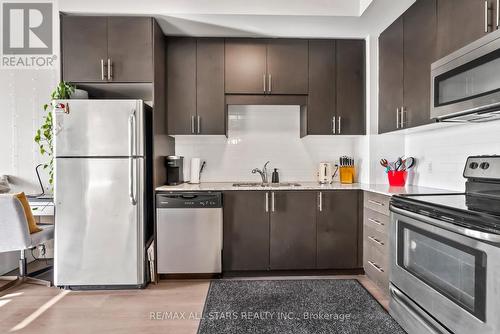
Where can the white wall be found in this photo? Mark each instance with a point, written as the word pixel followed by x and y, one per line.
pixel 258 134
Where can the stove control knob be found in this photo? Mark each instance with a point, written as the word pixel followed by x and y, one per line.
pixel 484 165
pixel 473 165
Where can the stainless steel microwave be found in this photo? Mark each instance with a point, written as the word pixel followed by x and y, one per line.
pixel 465 85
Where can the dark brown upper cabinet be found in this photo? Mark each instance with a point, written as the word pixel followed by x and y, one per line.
pixel 260 66
pixel 321 101
pixel 107 49
pixel 84 48
pixel 181 85
pixel 336 100
pixel 195 86
pixel 246 231
pixel 287 61
pixel 350 105
pixel 293 230
pixel 338 229
pixel 461 22
pixel 210 86
pixel 406 50
pixel 130 49
pixel 390 77
pixel 246 66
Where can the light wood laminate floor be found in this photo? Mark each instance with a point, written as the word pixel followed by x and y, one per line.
pixel 28 308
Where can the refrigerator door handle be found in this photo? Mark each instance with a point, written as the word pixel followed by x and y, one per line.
pixel 132 151
pixel 132 135
pixel 131 181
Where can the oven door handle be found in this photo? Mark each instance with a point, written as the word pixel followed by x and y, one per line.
pixel 424 320
pixel 483 236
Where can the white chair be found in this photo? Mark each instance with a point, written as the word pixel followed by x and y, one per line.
pixel 15 236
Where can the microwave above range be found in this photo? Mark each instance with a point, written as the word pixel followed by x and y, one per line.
pixel 465 85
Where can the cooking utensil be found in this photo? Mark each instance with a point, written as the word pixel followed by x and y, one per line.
pixel 398 164
pixel 409 163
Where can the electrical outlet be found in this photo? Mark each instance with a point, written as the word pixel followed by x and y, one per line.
pixel 429 166
pixel 41 250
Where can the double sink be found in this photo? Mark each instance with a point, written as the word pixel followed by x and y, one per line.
pixel 260 184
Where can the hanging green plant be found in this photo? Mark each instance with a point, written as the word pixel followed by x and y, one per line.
pixel 43 136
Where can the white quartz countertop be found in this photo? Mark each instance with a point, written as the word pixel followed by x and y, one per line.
pixel 376 188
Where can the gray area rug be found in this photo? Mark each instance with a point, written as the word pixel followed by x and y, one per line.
pixel 293 306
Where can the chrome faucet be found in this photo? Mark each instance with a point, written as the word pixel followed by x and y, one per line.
pixel 262 172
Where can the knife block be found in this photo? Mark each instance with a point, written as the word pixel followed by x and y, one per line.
pixel 347 174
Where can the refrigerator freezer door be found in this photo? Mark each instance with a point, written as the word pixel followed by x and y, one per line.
pixel 99 237
pixel 97 128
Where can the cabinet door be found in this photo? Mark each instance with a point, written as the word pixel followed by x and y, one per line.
pixel 338 222
pixel 390 76
pixel 246 231
pixel 460 22
pixel 210 86
pixel 322 87
pixel 419 53
pixel 245 66
pixel 293 230
pixel 287 66
pixel 181 85
pixel 130 48
pixel 351 87
pixel 84 46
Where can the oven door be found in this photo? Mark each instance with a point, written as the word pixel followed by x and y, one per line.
pixel 454 278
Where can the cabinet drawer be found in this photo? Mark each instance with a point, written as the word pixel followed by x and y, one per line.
pixel 377 202
pixel 376 220
pixel 376 239
pixel 381 279
pixel 376 254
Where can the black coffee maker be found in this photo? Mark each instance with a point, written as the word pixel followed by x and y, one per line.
pixel 175 169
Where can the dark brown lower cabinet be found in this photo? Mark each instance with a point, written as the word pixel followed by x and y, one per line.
pixel 246 231
pixel 293 230
pixel 338 225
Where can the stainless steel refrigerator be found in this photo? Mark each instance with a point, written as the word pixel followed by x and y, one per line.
pixel 102 193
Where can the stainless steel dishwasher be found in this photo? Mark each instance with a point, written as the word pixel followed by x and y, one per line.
pixel 189 232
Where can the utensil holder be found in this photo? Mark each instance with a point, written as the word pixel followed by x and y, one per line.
pixel 347 174
pixel 397 178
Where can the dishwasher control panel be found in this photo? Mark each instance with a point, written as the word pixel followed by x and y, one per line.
pixel 179 200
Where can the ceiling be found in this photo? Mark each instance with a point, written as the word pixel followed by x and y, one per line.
pixel 257 18
pixel 233 7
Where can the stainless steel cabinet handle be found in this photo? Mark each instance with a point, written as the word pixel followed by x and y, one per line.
pixel 102 70
pixel 376 266
pixel 132 136
pixel 320 201
pixel 192 124
pixel 110 69
pixel 498 13
pixel 333 124
pixel 267 202
pixel 376 222
pixel 198 124
pixel 264 82
pixel 270 84
pixel 486 16
pixel 397 118
pixel 375 202
pixel 403 112
pixel 273 207
pixel 375 240
pixel 340 125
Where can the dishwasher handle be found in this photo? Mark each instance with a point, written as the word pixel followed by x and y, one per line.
pixel 189 200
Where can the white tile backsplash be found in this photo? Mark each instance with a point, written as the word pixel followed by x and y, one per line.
pixel 257 134
pixel 441 153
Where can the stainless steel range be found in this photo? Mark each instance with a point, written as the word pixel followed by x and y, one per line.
pixel 445 256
